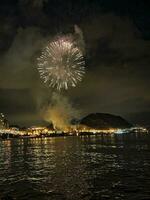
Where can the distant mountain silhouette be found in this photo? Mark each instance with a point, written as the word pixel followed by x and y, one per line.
pixel 104 120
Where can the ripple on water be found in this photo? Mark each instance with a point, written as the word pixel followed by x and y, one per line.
pixel 75 168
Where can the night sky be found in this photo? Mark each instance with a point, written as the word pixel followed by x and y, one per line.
pixel 117 38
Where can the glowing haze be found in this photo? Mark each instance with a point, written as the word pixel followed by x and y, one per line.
pixel 60 112
pixel 61 64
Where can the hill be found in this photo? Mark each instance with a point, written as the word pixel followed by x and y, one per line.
pixel 104 121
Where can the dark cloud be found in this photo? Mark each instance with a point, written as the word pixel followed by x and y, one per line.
pixel 19 63
pixel 118 71
pixel 117 56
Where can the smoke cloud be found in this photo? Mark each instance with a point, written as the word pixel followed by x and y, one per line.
pixel 60 112
pixel 79 38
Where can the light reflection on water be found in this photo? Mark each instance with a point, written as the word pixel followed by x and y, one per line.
pixel 88 168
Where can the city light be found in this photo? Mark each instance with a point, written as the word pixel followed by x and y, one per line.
pixel 72 130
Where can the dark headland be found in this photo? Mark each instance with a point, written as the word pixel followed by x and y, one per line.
pixel 104 121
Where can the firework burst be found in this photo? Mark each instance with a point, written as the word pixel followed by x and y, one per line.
pixel 61 64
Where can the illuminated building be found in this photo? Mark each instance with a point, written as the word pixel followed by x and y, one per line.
pixel 3 121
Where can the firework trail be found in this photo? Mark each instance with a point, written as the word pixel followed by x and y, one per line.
pixel 61 64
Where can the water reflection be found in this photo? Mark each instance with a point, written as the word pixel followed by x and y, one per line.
pixel 95 167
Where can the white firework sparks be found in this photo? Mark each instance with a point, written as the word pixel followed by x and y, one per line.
pixel 61 64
